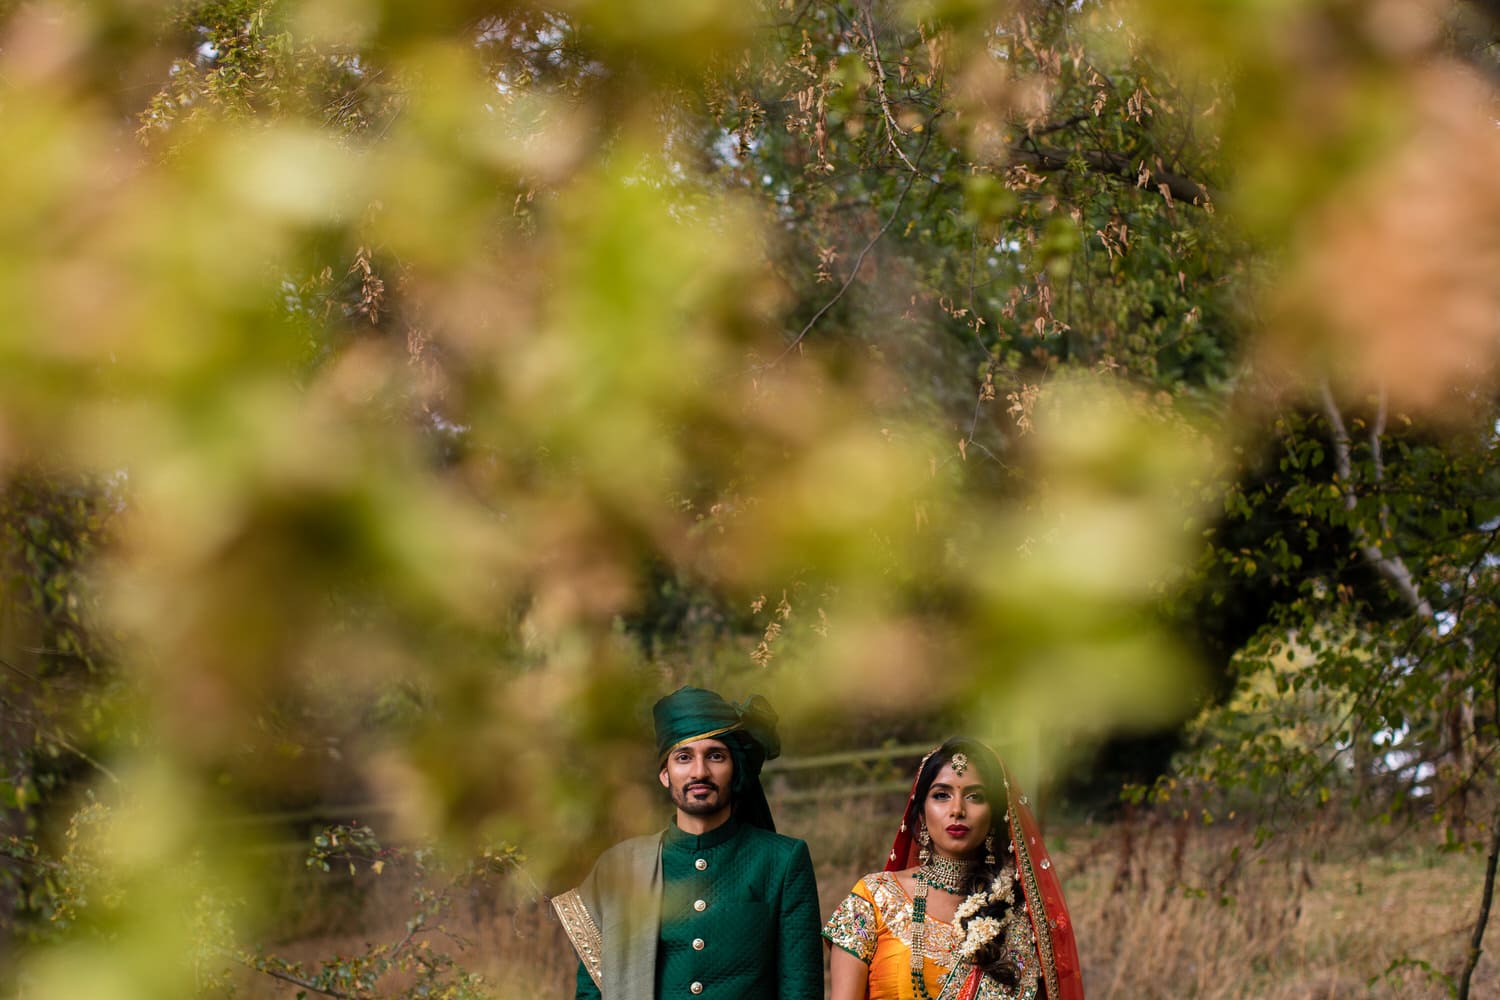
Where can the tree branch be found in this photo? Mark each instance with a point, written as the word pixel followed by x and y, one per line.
pixel 1476 941
pixel 1110 164
pixel 1377 430
pixel 1061 126
pixel 61 740
pixel 853 271
pixel 1458 715
pixel 19 672
pixel 891 128
pixel 299 981
pixel 1393 568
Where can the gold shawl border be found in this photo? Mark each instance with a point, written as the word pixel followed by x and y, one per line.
pixel 1034 904
pixel 582 931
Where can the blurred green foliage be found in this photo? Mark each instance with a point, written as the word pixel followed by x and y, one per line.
pixel 398 397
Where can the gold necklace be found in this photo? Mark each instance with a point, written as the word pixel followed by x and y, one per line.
pixel 949 874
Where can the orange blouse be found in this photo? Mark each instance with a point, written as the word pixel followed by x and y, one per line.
pixel 874 924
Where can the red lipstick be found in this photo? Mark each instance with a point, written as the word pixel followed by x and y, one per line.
pixel 958 832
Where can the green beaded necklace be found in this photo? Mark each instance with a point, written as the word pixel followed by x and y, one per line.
pixel 937 872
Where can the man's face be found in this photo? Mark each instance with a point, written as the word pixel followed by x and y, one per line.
pixel 699 776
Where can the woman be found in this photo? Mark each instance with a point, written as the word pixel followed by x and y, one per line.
pixel 968 906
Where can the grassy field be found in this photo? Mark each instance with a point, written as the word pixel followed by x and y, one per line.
pixel 1175 911
pixel 1331 909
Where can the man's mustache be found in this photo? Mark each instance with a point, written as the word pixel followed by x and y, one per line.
pixel 706 785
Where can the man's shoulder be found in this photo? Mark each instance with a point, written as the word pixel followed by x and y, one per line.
pixel 778 844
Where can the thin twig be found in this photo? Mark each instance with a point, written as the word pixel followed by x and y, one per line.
pixel 91 762
pixel 1477 940
pixel 1048 129
pixel 1393 568
pixel 411 930
pixel 891 128
pixel 853 271
pixel 1110 163
pixel 1377 430
pixel 306 984
pixel 45 651
pixel 60 741
pixel 17 670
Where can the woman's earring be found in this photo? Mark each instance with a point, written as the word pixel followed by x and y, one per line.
pixel 989 848
pixel 925 840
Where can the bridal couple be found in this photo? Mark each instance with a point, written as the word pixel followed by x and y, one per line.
pixel 718 906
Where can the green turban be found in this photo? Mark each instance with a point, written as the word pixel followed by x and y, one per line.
pixel 690 714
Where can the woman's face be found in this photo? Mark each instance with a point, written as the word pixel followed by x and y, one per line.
pixel 957 811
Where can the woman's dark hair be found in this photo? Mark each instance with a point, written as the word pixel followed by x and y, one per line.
pixel 983 759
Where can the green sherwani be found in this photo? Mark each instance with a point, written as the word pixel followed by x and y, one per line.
pixel 736 918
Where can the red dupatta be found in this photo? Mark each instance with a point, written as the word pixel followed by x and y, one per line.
pixel 1057 951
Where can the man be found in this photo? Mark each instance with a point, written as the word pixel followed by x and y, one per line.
pixel 718 905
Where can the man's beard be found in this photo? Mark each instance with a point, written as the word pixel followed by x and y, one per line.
pixel 706 806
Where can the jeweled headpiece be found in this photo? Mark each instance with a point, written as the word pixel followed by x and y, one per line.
pixel 960 763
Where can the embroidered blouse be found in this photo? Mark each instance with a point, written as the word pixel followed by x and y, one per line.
pixel 874 924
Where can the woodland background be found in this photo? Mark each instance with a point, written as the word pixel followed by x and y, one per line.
pixel 396 398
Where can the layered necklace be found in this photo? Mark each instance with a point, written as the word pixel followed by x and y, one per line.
pixel 937 872
pixel 948 874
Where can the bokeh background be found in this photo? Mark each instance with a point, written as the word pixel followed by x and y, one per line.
pixel 396 398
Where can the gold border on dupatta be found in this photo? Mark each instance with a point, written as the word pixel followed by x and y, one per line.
pixel 1041 924
pixel 582 931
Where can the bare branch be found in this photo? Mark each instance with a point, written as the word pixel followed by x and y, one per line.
pixel 1476 941
pixel 1061 126
pixel 1393 568
pixel 18 671
pixel 1458 715
pixel 61 740
pixel 854 270
pixel 1112 164
pixel 891 128
pixel 1377 431
pixel 299 981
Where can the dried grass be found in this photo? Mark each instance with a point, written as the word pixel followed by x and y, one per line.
pixel 1162 908
pixel 1173 909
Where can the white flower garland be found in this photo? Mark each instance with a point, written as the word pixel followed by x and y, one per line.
pixel 981 931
